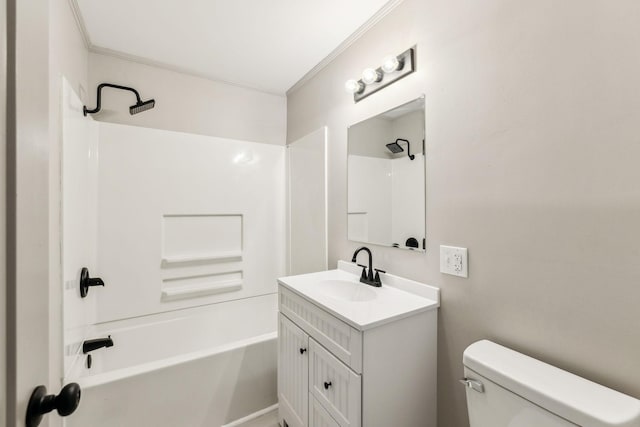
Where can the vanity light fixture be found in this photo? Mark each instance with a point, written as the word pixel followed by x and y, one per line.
pixel 393 68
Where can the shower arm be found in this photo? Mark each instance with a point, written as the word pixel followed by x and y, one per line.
pixel 408 147
pixel 86 111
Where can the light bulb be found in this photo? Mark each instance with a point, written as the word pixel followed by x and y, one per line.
pixel 390 64
pixel 369 75
pixel 353 86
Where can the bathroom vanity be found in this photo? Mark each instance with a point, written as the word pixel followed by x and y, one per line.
pixel 352 355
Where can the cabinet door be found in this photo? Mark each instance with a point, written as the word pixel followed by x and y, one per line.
pixel 336 387
pixel 293 374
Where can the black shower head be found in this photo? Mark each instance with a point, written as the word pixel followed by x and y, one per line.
pixel 395 148
pixel 134 109
pixel 142 106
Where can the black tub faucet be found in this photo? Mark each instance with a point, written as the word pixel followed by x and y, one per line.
pixel 90 345
pixel 368 277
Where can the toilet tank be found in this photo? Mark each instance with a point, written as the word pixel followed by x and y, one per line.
pixel 508 389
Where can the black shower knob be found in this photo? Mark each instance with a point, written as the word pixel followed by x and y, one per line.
pixel 86 282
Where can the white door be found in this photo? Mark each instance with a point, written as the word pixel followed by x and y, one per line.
pixel 34 356
pixel 293 374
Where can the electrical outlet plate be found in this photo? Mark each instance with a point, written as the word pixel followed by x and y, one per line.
pixel 454 261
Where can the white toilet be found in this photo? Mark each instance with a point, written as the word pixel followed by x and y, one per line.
pixel 508 389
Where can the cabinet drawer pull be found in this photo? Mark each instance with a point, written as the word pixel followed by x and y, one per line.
pixel 303 350
pixel 327 385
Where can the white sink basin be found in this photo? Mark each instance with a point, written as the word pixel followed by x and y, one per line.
pixel 362 306
pixel 346 290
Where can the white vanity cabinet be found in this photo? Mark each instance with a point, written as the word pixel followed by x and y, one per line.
pixel 336 370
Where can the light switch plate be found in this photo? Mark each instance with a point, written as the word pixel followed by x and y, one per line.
pixel 454 261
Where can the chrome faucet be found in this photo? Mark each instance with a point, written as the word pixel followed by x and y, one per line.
pixel 368 278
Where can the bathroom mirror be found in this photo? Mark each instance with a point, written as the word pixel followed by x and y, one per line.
pixel 386 178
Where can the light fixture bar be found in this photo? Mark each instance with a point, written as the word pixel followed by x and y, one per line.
pixel 406 58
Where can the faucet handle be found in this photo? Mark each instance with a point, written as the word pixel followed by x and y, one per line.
pixel 364 275
pixel 86 282
pixel 364 271
pixel 378 271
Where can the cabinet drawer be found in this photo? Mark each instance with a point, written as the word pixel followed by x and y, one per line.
pixel 341 339
pixel 335 386
pixel 318 416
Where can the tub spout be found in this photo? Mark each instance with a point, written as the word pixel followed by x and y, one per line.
pixel 90 345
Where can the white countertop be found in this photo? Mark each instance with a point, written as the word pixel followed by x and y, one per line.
pixel 397 298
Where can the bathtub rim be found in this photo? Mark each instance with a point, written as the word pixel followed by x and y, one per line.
pixel 91 381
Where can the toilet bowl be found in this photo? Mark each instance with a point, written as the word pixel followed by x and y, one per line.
pixel 508 389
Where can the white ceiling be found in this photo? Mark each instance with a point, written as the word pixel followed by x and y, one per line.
pixel 263 44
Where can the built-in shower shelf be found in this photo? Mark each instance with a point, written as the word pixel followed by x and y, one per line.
pixel 199 290
pixel 203 258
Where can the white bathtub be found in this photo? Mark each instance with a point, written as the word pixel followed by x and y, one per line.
pixel 207 366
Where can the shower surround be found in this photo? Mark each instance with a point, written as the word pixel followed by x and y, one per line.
pixel 187 233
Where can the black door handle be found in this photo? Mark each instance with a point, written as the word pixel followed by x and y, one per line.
pixel 86 282
pixel 327 385
pixel 40 403
pixel 303 350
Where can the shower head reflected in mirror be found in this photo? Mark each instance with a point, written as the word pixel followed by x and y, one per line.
pixel 396 148
pixel 139 106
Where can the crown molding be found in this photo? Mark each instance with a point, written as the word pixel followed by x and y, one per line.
pixel 175 68
pixel 357 34
pixel 77 16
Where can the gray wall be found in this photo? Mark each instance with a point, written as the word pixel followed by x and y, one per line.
pixel 187 103
pixel 532 112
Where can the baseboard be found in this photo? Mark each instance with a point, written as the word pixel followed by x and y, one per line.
pixel 250 417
